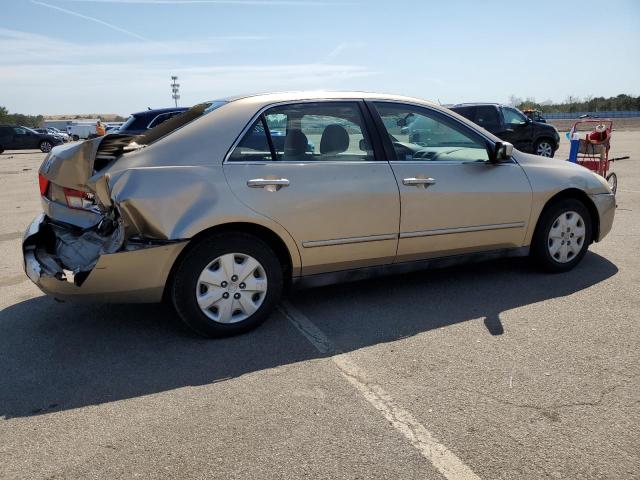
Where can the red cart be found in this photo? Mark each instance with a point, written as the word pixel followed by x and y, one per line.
pixel 595 142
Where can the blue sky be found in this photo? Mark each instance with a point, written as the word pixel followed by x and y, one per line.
pixel 117 56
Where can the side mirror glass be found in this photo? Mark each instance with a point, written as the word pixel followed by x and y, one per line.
pixel 502 151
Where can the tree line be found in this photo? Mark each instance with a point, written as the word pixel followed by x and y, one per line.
pixel 33 121
pixel 619 103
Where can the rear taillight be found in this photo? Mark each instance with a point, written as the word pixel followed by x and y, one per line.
pixel 78 199
pixel 44 185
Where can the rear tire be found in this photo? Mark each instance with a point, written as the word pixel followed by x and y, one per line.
pixel 227 284
pixel 75 138
pixel 562 236
pixel 45 146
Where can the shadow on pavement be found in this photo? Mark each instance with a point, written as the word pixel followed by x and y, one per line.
pixel 58 356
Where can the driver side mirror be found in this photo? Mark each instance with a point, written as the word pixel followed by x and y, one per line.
pixel 502 151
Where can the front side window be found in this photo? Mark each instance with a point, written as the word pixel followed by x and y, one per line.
pixel 19 131
pixel 419 134
pixel 307 132
pixel 513 117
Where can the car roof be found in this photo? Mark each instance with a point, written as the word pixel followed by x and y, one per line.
pixel 476 104
pixel 274 97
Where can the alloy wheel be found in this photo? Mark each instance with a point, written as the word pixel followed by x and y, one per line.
pixel 544 149
pixel 231 288
pixel 45 147
pixel 566 237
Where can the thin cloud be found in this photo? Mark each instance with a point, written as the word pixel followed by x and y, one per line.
pixel 24 48
pixel 286 3
pixel 91 19
pixel 341 48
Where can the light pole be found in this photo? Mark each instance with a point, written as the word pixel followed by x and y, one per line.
pixel 175 87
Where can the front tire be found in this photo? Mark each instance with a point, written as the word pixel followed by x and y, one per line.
pixel 562 236
pixel 46 146
pixel 227 284
pixel 544 148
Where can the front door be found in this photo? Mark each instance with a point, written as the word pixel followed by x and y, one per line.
pixel 454 200
pixel 518 129
pixel 21 138
pixel 311 168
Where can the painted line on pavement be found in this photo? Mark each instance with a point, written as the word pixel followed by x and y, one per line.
pixel 443 459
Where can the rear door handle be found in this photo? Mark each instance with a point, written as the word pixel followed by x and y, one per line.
pixel 270 184
pixel 418 182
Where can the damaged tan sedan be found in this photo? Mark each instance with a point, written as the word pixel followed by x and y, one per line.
pixel 221 209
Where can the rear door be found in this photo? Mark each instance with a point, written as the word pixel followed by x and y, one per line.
pixel 6 137
pixel 488 117
pixel 453 199
pixel 323 183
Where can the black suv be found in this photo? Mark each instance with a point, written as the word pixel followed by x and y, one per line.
pixel 513 126
pixel 140 122
pixel 16 137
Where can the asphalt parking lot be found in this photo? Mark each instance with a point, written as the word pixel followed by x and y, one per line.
pixel 491 371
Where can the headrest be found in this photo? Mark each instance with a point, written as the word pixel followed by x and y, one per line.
pixel 335 139
pixel 295 143
pixel 601 128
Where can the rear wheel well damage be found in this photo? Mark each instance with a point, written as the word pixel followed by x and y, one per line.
pixel 576 194
pixel 272 239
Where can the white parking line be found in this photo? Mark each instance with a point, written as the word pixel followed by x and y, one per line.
pixel 445 461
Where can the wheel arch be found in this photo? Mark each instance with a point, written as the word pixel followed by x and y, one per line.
pixel 577 194
pixel 545 136
pixel 267 235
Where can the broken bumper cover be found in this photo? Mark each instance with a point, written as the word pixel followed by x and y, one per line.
pixel 137 275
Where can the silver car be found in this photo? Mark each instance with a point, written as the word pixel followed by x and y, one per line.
pixel 207 212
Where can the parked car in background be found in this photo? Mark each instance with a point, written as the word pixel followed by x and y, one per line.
pixel 140 122
pixel 197 212
pixel 80 131
pixel 535 115
pixel 17 137
pixel 55 132
pixel 513 126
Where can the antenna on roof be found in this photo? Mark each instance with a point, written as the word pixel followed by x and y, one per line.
pixel 439 102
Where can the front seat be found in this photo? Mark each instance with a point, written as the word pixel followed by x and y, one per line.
pixel 335 140
pixel 295 145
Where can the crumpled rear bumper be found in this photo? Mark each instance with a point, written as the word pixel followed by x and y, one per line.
pixel 137 275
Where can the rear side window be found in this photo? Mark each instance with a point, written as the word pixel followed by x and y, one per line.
pixel 254 146
pixel 307 132
pixel 466 112
pixel 487 117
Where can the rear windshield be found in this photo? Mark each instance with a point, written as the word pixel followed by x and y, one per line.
pixel 177 122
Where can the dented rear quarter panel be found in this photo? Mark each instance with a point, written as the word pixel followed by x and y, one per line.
pixel 175 188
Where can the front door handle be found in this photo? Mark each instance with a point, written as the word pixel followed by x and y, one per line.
pixel 418 182
pixel 270 184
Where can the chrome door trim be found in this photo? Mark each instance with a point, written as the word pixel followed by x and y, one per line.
pixel 447 231
pixel 345 241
